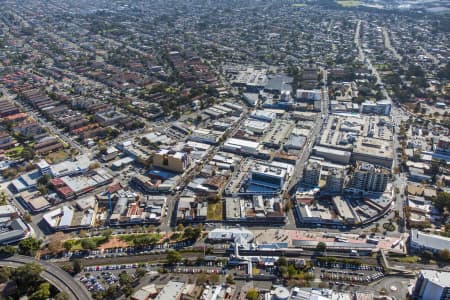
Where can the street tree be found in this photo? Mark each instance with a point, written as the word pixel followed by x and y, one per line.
pixel 252 294
pixel 29 246
pixel 321 246
pixel 173 257
pixel 42 293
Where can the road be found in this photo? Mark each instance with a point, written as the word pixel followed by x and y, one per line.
pixel 53 274
pixel 365 59
pixel 388 45
pixel 429 55
pixel 399 181
pixel 306 151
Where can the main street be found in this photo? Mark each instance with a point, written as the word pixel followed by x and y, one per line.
pixel 397 115
pixel 388 45
pixel 307 149
pixel 195 169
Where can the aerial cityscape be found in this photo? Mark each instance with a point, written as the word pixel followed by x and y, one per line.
pixel 227 149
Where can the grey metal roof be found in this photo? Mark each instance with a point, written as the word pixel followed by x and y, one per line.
pixel 439 278
pixel 429 241
pixel 10 236
pixel 333 245
pixel 280 83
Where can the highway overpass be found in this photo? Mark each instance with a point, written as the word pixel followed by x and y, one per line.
pixel 53 274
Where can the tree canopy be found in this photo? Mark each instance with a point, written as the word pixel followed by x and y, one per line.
pixel 173 257
pixel 29 246
pixel 252 294
pixel 442 201
pixel 321 246
pixel 28 277
pixel 42 293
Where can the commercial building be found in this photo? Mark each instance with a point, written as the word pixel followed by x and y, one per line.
pixel 370 178
pixel 67 218
pixel 26 181
pixel 43 166
pixel 443 145
pixel 211 137
pixel 279 293
pixel 234 106
pixel 267 176
pixel 256 210
pixel 122 162
pixel 375 151
pixel 140 153
pixel 304 115
pixel 309 95
pixel 252 99
pixel 241 235
pixel 70 167
pixel 110 154
pixel 311 176
pixel 128 211
pixel 420 241
pixel 171 291
pixel 278 133
pixel 13 230
pixel 418 175
pixel 333 155
pixel 344 210
pixel 69 187
pixel 170 160
pixel 241 146
pixel 295 142
pixel 157 181
pixel 190 210
pixel 109 118
pixel 431 285
pixel 8 211
pixel 256 126
pixel 33 201
pixel 316 293
pixel 378 127
pixel 254 79
pixel 263 115
pixel 257 177
pixel 315 214
pixel 146 292
pixel 382 107
pixel 278 84
pixel 341 132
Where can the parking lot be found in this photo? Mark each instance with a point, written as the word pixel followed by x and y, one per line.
pixel 100 282
pixel 113 267
pixel 348 272
pixel 359 277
